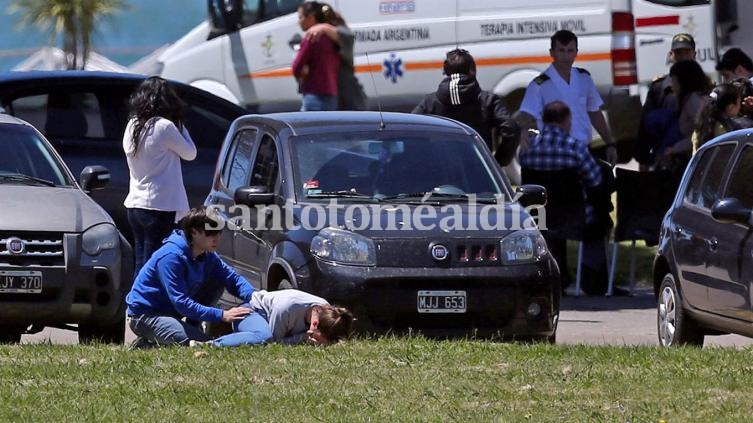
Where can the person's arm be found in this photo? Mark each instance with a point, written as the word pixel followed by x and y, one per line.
pixel 530 108
pixel 172 276
pixel 421 108
pixel 178 141
pixel 600 124
pixel 589 168
pixel 235 283
pixel 507 131
pixel 302 58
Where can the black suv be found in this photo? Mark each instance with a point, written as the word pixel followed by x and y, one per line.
pixel 704 266
pixel 407 219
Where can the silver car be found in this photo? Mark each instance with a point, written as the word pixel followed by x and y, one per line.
pixel 63 263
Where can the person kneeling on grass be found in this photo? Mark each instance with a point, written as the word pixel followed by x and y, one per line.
pixel 177 285
pixel 287 317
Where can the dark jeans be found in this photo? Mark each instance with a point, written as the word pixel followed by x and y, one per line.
pixel 149 228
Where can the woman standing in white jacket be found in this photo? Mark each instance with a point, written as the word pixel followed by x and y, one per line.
pixel 154 142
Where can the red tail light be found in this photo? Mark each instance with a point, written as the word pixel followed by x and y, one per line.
pixel 624 70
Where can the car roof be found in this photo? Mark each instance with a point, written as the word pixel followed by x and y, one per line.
pixel 301 123
pixel 733 135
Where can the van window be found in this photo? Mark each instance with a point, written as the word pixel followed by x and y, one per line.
pixel 680 3
pixel 255 11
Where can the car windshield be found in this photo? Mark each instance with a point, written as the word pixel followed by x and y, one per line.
pixel 27 159
pixel 387 166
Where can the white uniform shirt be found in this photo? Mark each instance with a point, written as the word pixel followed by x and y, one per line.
pixel 156 180
pixel 580 95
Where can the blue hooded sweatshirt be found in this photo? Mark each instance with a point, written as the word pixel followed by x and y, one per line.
pixel 172 278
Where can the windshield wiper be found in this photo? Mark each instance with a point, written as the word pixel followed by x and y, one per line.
pixel 20 177
pixel 437 196
pixel 342 193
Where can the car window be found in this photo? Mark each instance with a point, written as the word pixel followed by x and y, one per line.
pixel 265 168
pixel 704 185
pixel 740 186
pixel 63 115
pixel 26 153
pixel 238 164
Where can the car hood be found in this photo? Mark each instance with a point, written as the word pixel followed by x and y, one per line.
pixel 450 220
pixel 50 209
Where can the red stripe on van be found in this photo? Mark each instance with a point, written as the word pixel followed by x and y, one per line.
pixel 658 20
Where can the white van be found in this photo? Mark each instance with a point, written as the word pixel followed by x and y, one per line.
pixel 244 51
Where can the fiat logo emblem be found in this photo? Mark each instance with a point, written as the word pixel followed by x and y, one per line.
pixel 15 245
pixel 439 252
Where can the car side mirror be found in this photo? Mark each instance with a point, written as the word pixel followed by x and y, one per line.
pixel 731 210
pixel 253 196
pixel 94 177
pixel 529 195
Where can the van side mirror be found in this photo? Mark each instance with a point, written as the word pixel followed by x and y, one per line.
pixel 529 195
pixel 253 196
pixel 94 177
pixel 731 210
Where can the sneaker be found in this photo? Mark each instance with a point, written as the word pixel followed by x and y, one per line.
pixel 141 343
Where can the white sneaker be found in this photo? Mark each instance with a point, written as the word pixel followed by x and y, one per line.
pixel 571 292
pixel 199 344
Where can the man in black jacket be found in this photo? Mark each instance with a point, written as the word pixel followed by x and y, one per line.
pixel 460 97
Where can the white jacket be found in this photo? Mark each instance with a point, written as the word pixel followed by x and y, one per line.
pixel 156 181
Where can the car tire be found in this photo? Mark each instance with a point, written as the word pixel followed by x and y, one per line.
pixel 674 326
pixel 109 334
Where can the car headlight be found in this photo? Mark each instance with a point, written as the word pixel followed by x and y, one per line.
pixel 522 247
pixel 345 247
pixel 100 238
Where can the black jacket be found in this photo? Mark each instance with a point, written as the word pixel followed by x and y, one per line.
pixel 459 97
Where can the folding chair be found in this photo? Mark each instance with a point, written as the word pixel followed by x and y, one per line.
pixel 565 211
pixel 642 200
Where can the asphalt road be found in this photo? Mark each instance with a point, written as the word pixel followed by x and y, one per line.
pixel 583 320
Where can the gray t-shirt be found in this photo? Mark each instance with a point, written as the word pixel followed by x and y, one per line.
pixel 286 312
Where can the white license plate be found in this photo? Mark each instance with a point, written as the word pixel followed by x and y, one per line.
pixel 441 302
pixel 21 281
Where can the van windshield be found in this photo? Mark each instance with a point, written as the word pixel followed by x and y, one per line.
pixel 379 166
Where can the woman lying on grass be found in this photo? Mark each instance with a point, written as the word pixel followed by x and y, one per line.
pixel 287 317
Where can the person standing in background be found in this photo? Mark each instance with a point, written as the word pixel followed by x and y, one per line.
pixel 350 92
pixel 561 81
pixel 460 97
pixel 660 97
pixel 155 141
pixel 317 65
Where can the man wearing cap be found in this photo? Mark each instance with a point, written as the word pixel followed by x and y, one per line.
pixel 660 96
pixel 562 81
pixel 736 66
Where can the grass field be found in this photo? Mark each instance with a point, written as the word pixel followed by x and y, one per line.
pixel 389 379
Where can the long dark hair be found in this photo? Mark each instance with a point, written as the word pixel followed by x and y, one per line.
pixel 721 97
pixel 322 12
pixel 154 98
pixel 691 78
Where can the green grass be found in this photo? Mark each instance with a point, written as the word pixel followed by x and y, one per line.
pixel 389 379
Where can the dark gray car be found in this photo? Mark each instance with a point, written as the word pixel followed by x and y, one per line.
pixel 63 262
pixel 703 270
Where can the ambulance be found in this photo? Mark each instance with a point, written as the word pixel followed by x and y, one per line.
pixel 243 52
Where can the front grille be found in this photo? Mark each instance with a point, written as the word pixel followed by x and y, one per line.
pixel 37 249
pixel 475 252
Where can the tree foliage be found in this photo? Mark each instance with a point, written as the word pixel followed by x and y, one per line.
pixel 75 21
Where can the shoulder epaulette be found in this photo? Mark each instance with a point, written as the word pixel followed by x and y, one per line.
pixel 541 78
pixel 659 78
pixel 581 70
